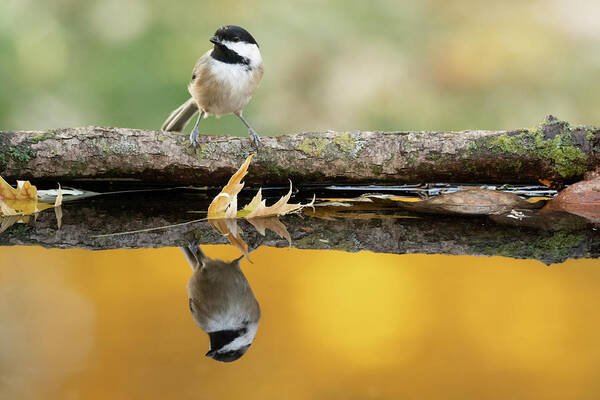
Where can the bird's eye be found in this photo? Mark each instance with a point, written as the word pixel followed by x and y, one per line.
pixel 235 39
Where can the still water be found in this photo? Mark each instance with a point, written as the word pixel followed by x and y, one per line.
pixel 116 324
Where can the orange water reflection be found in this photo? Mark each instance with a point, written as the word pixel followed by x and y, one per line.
pixel 116 324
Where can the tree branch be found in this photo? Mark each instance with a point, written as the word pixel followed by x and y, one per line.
pixel 553 150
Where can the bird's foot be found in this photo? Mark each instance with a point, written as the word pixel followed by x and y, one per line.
pixel 195 137
pixel 255 138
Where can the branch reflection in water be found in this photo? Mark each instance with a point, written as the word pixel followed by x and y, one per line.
pixel 222 304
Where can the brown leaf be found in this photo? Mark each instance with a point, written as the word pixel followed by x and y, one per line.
pixel 224 205
pixel 471 202
pixel 581 198
pixel 219 205
pixel 58 201
pixel 282 207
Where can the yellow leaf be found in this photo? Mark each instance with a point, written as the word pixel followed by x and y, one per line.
pixel 58 201
pixel 23 191
pixel 26 207
pixel 280 208
pixel 224 205
pixel 22 200
pixel 231 211
pixel 6 209
pixel 220 203
pixel 254 203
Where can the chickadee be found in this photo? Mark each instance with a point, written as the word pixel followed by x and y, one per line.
pixel 223 81
pixel 222 304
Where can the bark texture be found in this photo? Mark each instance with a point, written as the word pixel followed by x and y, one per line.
pixel 554 150
pixel 551 238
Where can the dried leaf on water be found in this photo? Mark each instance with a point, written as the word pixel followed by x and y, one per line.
pixel 59 197
pixel 229 193
pixel 23 191
pixel 581 198
pixel 22 200
pixel 472 202
pixel 223 210
pixel 281 207
pixel 224 205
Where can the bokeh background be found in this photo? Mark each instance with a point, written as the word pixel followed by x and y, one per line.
pixel 341 65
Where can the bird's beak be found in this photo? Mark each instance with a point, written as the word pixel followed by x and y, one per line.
pixel 215 40
pixel 211 353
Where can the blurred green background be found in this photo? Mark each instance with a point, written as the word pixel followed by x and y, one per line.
pixel 340 65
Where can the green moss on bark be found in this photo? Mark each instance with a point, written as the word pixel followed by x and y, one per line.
pixel 48 134
pixel 313 147
pixel 346 143
pixel 566 157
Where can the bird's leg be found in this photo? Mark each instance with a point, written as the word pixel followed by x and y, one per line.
pixel 253 135
pixel 194 135
pixel 193 254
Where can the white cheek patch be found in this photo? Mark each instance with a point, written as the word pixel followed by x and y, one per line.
pixel 243 340
pixel 247 50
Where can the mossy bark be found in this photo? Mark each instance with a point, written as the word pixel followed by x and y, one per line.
pixel 554 150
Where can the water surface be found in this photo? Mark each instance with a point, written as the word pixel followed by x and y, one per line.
pixel 116 324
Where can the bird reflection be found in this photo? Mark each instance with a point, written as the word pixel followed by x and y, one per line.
pixel 222 304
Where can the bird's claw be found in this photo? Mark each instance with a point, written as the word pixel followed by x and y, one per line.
pixel 254 138
pixel 195 138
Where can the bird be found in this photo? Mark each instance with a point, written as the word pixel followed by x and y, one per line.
pixel 223 81
pixel 222 304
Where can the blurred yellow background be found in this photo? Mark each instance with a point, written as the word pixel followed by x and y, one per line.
pixel 341 65
pixel 115 324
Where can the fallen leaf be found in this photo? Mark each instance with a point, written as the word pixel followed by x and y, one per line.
pixel 224 205
pixel 23 191
pixel 220 203
pixel 581 198
pixel 254 203
pixel 16 203
pixel 471 202
pixel 222 211
pixel 6 209
pixel 282 206
pixel 58 201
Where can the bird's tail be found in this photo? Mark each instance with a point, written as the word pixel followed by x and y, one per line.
pixel 180 117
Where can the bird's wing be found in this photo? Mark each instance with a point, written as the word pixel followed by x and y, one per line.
pixel 200 69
